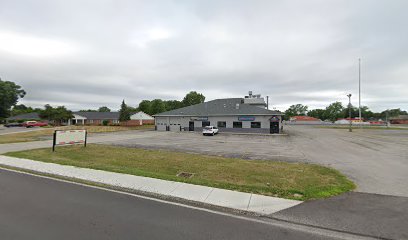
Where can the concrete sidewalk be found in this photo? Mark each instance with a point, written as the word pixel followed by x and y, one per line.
pixel 254 203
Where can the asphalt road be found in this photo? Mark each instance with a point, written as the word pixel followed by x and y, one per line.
pixel 361 213
pixel 32 207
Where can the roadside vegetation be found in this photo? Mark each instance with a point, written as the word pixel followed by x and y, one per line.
pixel 47 133
pixel 280 179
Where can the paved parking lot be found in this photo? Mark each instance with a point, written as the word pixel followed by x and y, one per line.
pixel 376 160
pixel 5 130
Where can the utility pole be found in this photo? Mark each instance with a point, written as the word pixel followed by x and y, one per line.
pixel 349 107
pixel 359 91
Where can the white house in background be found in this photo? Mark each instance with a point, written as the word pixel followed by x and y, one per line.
pixel 97 118
pixel 142 117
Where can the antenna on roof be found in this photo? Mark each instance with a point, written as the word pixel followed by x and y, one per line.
pixel 267 102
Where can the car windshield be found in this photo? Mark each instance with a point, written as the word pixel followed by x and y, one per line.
pixel 208 128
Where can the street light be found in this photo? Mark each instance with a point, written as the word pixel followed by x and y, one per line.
pixel 349 107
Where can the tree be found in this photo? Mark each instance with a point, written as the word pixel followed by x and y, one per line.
pixel 316 113
pixel 193 98
pixel 104 109
pixel 296 110
pixel 172 104
pixel 392 113
pixel 124 114
pixel 144 106
pixel 88 110
pixel 157 106
pixel 22 109
pixel 58 114
pixel 9 95
pixel 132 110
pixel 334 111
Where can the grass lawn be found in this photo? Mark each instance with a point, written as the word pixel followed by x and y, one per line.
pixel 47 132
pixel 262 177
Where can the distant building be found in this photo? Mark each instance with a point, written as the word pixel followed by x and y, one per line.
pixel 92 118
pixel 24 117
pixel 401 119
pixel 247 115
pixel 304 119
pixel 98 118
pixel 356 120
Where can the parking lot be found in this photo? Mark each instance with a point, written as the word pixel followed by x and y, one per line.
pixel 376 160
pixel 6 130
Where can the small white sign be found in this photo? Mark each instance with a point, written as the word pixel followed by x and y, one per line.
pixel 70 137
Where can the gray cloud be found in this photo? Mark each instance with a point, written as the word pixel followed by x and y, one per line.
pixel 85 54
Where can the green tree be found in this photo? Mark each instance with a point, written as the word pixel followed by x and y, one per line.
pixel 104 109
pixel 144 106
pixel 334 111
pixel 392 113
pixel 22 109
pixel 9 95
pixel 57 115
pixel 193 98
pixel 172 104
pixel 124 114
pixel 157 106
pixel 88 110
pixel 296 110
pixel 316 113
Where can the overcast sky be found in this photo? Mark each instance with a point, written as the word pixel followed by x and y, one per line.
pixel 86 54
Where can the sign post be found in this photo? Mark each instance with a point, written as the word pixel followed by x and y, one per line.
pixel 69 137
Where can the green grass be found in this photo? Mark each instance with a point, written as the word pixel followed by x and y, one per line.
pixel 47 132
pixel 270 178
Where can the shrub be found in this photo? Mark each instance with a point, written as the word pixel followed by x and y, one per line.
pixel 105 122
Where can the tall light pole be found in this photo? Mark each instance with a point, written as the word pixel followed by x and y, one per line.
pixel 359 91
pixel 349 107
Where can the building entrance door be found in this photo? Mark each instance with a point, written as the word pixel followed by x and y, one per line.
pixel 274 127
pixel 191 126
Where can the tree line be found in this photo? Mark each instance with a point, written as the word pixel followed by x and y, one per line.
pixel 10 93
pixel 336 110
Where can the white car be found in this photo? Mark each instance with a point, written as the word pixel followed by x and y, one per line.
pixel 210 130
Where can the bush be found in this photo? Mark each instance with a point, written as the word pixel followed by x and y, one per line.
pixel 105 122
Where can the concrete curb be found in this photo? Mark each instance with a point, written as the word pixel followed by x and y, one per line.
pixel 240 201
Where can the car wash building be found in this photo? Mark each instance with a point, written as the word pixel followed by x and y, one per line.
pixel 248 115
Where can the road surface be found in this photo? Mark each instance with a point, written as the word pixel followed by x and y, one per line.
pixel 33 207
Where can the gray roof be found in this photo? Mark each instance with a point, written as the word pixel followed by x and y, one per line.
pixel 220 107
pixel 99 115
pixel 33 115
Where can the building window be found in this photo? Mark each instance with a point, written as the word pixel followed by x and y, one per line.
pixel 91 121
pixel 255 124
pixel 206 123
pixel 115 121
pixel 237 124
pixel 221 124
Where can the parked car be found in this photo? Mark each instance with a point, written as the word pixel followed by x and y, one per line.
pixel 30 124
pixel 210 130
pixel 13 124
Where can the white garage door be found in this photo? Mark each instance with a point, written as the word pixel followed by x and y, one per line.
pixel 175 128
pixel 161 127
